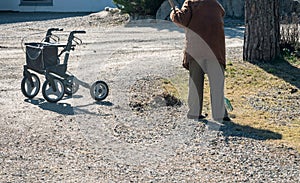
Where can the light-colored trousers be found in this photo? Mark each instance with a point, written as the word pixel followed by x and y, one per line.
pixel 215 73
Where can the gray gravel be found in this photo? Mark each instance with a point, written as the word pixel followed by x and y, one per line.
pixel 79 140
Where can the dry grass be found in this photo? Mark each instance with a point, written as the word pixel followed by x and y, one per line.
pixel 245 81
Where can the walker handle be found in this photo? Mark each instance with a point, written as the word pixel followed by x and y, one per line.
pixel 79 32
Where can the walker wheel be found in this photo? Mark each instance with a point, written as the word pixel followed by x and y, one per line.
pixel 29 89
pixel 99 90
pixel 71 88
pixel 53 93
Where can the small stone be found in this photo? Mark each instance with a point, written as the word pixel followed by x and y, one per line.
pixel 294 90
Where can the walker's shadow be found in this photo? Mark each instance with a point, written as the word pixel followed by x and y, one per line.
pixel 61 108
pixel 67 109
pixel 233 129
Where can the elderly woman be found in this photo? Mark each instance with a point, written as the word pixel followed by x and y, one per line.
pixel 204 54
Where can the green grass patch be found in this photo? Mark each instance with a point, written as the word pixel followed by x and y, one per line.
pixel 256 93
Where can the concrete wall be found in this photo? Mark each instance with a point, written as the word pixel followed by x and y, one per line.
pixel 234 8
pixel 6 5
pixel 58 6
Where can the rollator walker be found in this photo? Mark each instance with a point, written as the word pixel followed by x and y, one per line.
pixel 44 58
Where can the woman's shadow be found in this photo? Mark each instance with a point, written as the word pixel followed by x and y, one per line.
pixel 233 129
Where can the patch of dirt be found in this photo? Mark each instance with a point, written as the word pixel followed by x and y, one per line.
pixel 149 92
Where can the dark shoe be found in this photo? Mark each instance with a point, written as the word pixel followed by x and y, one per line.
pixel 226 119
pixel 196 117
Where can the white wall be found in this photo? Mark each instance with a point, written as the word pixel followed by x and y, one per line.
pixel 58 6
pixel 8 5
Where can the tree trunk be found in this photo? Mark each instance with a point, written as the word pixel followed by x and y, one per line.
pixel 262 32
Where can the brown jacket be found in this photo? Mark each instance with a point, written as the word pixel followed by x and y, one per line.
pixel 203 18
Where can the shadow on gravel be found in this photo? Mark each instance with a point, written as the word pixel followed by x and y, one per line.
pixel 282 69
pixel 234 28
pixel 233 129
pixel 65 108
pixel 156 24
pixel 15 17
pixel 60 108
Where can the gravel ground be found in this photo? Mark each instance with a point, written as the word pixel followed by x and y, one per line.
pixel 79 140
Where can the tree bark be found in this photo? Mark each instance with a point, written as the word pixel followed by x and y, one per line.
pixel 262 32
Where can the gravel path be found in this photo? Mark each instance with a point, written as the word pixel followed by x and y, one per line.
pixel 79 140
